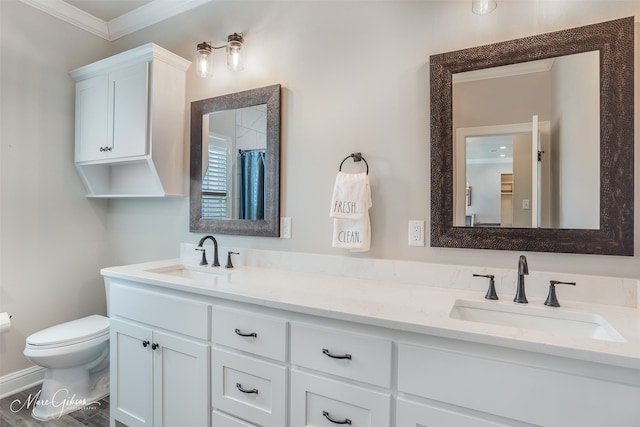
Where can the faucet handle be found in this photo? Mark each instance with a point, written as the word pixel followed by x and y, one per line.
pixel 491 291
pixel 229 264
pixel 552 300
pixel 203 260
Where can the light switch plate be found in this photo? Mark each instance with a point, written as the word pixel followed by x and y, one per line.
pixel 285 227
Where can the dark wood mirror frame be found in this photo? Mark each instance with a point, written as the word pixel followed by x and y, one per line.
pixel 614 41
pixel 270 226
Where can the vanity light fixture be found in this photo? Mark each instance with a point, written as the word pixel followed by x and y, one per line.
pixel 482 7
pixel 235 55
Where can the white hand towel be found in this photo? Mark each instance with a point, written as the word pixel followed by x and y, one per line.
pixel 351 196
pixel 352 234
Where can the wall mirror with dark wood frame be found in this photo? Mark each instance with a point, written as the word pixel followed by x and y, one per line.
pixel 546 214
pixel 235 163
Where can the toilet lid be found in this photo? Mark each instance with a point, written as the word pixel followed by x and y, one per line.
pixel 71 332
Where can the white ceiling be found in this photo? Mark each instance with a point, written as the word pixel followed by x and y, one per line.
pixel 112 19
pixel 107 9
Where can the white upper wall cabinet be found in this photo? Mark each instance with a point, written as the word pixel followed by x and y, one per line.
pixel 130 112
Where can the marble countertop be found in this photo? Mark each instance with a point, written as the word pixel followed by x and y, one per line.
pixel 418 308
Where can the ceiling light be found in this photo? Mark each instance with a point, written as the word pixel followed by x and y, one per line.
pixel 235 55
pixel 481 7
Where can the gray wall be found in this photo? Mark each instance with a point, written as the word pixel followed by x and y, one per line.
pixel 355 78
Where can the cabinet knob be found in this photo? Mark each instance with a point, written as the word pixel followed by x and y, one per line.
pixel 244 390
pixel 145 343
pixel 333 420
pixel 336 356
pixel 154 346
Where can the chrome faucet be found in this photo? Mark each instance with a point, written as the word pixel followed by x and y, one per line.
pixel 215 263
pixel 523 269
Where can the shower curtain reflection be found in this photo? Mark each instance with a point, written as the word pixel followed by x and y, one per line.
pixel 252 164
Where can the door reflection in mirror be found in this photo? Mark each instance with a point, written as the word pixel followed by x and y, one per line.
pixel 233 163
pixel 508 181
pixel 562 189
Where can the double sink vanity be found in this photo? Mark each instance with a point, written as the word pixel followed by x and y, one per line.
pixel 289 339
pixel 261 345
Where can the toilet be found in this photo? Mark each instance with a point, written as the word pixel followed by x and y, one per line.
pixel 76 357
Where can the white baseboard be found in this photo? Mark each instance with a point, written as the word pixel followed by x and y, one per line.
pixel 20 380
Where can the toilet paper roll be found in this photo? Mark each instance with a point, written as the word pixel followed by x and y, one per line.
pixel 5 321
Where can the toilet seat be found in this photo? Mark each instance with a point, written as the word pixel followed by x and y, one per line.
pixel 69 333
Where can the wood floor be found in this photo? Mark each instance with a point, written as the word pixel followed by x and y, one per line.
pixel 14 413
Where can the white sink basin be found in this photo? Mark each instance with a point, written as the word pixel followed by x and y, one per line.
pixel 556 321
pixel 193 272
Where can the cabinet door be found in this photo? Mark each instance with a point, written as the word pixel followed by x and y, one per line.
pixel 181 378
pixel 129 107
pixel 131 374
pixel 91 118
pixel 412 414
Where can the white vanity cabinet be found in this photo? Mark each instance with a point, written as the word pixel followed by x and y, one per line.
pixel 159 358
pixel 130 113
pixel 234 355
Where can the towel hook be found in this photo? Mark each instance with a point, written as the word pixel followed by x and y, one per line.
pixel 356 158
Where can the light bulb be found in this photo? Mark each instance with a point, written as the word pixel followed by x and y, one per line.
pixel 235 52
pixel 204 60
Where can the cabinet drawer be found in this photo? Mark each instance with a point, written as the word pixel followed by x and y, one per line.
pixel 412 414
pixel 185 316
pixel 358 357
pixel 506 387
pixel 315 401
pixel 221 420
pixel 248 388
pixel 253 333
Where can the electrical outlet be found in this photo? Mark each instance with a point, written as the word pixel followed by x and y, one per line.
pixel 416 233
pixel 525 204
pixel 285 227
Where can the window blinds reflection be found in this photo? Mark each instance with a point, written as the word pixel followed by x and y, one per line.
pixel 214 184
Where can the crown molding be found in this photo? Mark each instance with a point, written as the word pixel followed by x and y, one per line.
pixel 149 14
pixel 504 71
pixel 71 14
pixel 137 19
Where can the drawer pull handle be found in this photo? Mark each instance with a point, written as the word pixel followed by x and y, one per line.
pixel 336 356
pixel 333 420
pixel 244 334
pixel 244 390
